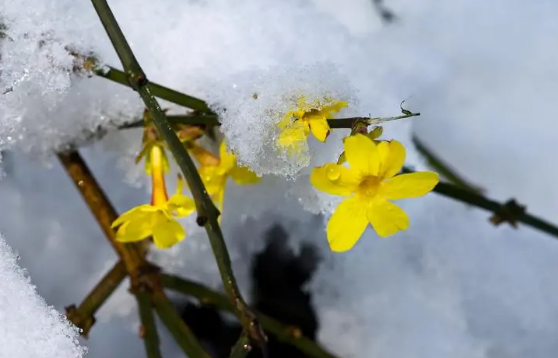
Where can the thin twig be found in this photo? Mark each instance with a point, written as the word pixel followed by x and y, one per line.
pixel 83 316
pixel 468 197
pixel 207 212
pixel 241 348
pixel 176 326
pixel 287 334
pixel 148 331
pixel 157 90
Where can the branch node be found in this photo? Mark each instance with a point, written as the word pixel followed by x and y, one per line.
pixel 201 220
pixel 509 212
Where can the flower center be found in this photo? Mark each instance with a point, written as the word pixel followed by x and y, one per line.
pixel 369 186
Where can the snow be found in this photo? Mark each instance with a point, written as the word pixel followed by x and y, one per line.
pixel 30 328
pixel 482 73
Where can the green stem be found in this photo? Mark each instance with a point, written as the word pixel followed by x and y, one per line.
pixel 468 197
pixel 213 120
pixel 83 316
pixel 162 92
pixel 207 212
pixel 287 334
pixel 149 329
pixel 444 169
pixel 176 326
pixel 195 120
pixel 241 348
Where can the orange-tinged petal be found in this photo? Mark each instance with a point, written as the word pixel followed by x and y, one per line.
pixel 138 213
pixel 334 179
pixel 386 218
pixel 168 233
pixel 347 224
pixel 243 175
pixel 362 154
pixel 319 128
pixel 410 185
pixel 392 158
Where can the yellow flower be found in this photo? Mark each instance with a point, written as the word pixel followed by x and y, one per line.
pixel 215 176
pixel 308 117
pixel 158 218
pixel 368 184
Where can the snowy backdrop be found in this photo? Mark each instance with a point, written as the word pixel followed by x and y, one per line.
pixel 483 75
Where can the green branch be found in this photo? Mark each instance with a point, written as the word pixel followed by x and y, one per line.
pixel 176 326
pixel 507 209
pixel 159 91
pixel 444 169
pixel 207 212
pixel 148 327
pixel 287 334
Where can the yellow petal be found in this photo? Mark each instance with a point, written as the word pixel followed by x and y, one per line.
pixel 347 224
pixel 243 175
pixel 410 185
pixel 212 178
pixel 179 184
pixel 334 179
pixel 386 218
pixel 180 205
pixel 294 136
pixel 227 160
pixel 334 108
pixel 392 158
pixel 319 128
pixel 168 233
pixel 362 154
pixel 135 230
pixel 137 213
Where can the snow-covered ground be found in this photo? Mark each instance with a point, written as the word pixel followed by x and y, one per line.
pixel 482 73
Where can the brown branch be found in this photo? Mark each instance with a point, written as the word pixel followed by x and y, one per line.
pixel 83 316
pixel 102 209
pixel 143 275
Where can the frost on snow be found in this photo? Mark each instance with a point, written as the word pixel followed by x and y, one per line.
pixel 29 328
pixel 482 73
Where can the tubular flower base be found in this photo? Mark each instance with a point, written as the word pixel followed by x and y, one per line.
pixel 215 176
pixel 158 218
pixel 368 184
pixel 308 117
